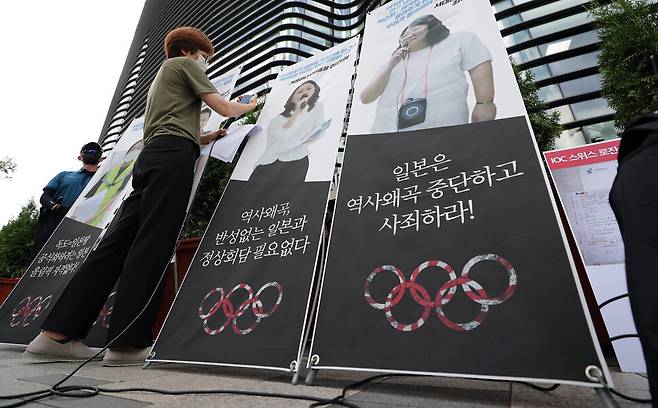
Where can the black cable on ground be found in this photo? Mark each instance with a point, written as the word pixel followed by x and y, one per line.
pixel 231 392
pixel 340 399
pixel 538 387
pixel 629 398
pixel 620 337
pixel 91 391
pixel 551 388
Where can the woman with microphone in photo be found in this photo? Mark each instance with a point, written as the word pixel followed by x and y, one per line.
pixel 422 85
pixel 301 122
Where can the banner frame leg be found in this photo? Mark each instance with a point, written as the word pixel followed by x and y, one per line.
pixel 607 401
pixel 310 377
pixel 147 363
pixel 294 368
pixel 595 375
pixel 313 372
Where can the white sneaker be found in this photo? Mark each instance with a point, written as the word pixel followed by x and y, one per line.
pixel 46 349
pixel 123 357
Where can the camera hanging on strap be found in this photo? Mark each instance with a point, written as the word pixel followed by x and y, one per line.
pixel 413 111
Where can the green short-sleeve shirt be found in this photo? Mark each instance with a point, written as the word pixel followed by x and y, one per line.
pixel 173 105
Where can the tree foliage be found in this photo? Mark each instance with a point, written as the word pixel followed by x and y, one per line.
pixel 16 239
pixel 629 36
pixel 546 126
pixel 7 167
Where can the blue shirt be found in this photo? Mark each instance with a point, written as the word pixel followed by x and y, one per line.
pixel 68 185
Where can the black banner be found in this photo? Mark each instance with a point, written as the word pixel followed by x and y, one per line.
pixel 28 305
pixel 446 257
pixel 245 295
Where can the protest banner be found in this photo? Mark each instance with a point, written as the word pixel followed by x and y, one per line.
pixel 446 256
pixel 65 251
pixel 245 298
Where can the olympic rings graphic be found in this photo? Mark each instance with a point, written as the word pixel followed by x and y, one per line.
pixel 104 316
pixel 444 295
pixel 232 314
pixel 28 310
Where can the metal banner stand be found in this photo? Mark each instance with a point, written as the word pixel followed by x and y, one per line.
pixel 310 377
pixel 294 367
pixel 595 374
pixel 312 311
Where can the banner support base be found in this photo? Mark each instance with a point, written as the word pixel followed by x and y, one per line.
pixel 595 374
pixel 310 377
pixel 294 367
pixel 147 363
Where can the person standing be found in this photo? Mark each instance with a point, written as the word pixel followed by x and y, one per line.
pixel 61 192
pixel 634 200
pixel 139 245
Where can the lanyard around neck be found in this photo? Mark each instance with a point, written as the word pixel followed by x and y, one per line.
pixel 404 82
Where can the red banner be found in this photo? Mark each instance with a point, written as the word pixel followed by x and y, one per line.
pixel 582 155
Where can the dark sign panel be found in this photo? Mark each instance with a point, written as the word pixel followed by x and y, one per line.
pixel 446 257
pixel 244 298
pixel 28 305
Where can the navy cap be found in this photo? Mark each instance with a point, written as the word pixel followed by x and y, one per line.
pixel 92 148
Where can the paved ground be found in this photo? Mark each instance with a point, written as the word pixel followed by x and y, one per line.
pixel 17 376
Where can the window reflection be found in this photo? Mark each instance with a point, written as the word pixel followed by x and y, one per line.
pixel 570 88
pixel 565 66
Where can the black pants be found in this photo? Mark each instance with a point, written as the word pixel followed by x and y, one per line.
pixel 137 248
pixel 46 225
pixel 282 171
pixel 634 199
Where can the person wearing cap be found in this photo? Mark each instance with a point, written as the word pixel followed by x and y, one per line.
pixel 61 192
pixel 139 245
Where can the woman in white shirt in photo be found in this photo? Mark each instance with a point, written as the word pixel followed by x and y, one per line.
pixel 426 73
pixel 288 134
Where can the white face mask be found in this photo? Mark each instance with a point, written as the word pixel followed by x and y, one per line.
pixel 202 62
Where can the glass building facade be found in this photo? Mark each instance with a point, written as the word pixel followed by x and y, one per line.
pixel 553 39
pixel 556 41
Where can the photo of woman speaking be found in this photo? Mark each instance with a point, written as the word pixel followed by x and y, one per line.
pixel 288 134
pixel 423 83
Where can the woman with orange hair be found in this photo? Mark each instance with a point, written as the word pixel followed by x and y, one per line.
pixel 139 245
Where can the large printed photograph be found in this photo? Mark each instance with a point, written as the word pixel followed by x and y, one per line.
pixel 111 183
pixel 431 68
pixel 301 122
pixel 210 120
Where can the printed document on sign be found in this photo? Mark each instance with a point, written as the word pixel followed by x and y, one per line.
pixel 227 147
pixel 596 227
